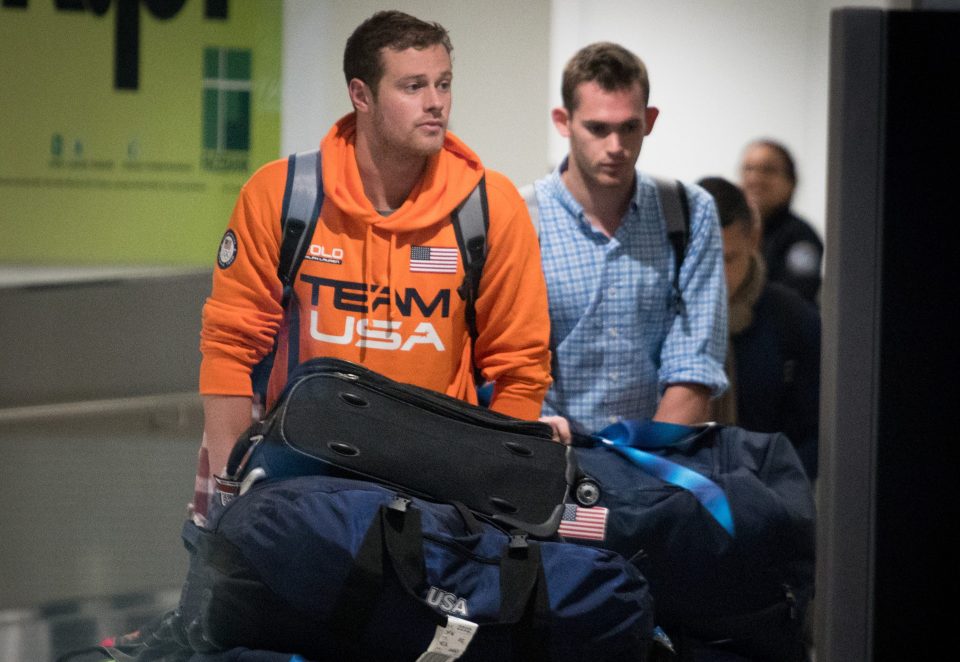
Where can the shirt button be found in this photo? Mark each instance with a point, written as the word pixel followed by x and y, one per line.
pixel 613 333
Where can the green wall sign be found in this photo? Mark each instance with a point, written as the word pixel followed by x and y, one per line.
pixel 98 166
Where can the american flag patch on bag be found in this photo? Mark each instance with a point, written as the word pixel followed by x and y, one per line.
pixel 583 523
pixel 434 260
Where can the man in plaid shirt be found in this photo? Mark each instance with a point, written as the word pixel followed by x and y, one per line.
pixel 622 345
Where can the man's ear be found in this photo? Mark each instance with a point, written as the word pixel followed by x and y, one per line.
pixel 361 96
pixel 650 116
pixel 561 120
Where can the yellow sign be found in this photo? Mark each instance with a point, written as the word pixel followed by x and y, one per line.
pixel 132 150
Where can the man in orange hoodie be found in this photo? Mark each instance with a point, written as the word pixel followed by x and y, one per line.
pixel 379 285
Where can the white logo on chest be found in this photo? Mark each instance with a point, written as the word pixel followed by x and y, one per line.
pixel 377 334
pixel 321 254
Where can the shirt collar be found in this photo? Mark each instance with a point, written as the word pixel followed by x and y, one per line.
pixel 561 193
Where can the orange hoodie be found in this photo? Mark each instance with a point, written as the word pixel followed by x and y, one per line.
pixel 371 292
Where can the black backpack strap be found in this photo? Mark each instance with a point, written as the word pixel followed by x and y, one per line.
pixel 302 201
pixel 470 222
pixel 676 210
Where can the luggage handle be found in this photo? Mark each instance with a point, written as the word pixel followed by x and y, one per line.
pixel 395 536
pixel 522 584
pixel 397 539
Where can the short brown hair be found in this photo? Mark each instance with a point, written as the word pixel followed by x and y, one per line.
pixel 387 29
pixel 611 65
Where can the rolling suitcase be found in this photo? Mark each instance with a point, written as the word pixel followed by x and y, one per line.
pixel 335 417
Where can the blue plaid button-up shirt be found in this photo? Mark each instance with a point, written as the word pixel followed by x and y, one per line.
pixel 616 337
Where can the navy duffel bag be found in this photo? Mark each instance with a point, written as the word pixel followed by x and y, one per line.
pixel 718 519
pixel 334 569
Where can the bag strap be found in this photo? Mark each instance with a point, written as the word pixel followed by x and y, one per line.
pixel 302 201
pixel 524 600
pixel 628 438
pixel 471 220
pixel 676 210
pixel 394 541
pixel 395 530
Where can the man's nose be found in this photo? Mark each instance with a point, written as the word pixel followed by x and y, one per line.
pixel 614 143
pixel 434 99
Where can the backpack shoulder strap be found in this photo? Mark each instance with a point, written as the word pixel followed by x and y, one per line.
pixel 676 210
pixel 470 222
pixel 302 200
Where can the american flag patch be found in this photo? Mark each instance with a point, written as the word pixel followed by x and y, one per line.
pixel 584 523
pixel 429 259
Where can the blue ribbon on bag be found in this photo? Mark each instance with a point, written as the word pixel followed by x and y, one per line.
pixel 629 438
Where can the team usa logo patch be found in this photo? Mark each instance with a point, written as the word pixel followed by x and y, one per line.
pixel 228 250
pixel 433 260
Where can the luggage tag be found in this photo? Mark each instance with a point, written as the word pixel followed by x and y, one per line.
pixel 450 641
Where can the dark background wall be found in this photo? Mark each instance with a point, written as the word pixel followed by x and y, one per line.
pixel 887 497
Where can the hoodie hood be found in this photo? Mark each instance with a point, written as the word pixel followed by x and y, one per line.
pixel 449 177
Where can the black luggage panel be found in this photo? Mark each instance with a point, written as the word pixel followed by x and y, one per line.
pixel 426 443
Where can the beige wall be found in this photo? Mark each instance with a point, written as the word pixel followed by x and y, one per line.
pixel 722 72
pixel 500 74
